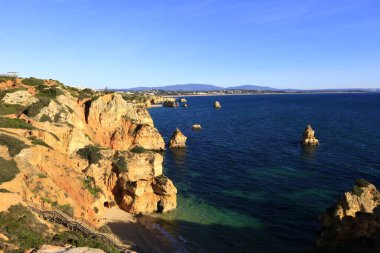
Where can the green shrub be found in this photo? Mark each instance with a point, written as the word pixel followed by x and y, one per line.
pixel 78 240
pixel 14 123
pixel 41 87
pixel 33 81
pixel 362 182
pixel 105 229
pixel 50 93
pixel 4 190
pixel 45 118
pixel 41 175
pixel 51 202
pixel 70 109
pixel 139 150
pixel 14 145
pixel 6 109
pixel 67 209
pixel 41 143
pixel 120 165
pixel 35 108
pixel 357 190
pixel 90 153
pixel 89 184
pixel 86 93
pixel 22 228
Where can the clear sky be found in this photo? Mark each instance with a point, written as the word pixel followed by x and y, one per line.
pixel 127 43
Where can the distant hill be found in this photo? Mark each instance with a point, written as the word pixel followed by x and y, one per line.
pixel 200 87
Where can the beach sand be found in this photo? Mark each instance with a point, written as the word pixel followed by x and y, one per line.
pixel 147 236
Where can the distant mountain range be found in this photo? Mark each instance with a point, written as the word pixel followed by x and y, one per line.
pixel 201 87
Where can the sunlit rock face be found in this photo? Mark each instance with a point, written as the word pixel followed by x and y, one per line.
pixel 308 137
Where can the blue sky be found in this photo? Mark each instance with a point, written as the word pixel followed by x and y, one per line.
pixel 120 44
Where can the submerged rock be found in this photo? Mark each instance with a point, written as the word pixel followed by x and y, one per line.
pixel 308 137
pixel 353 222
pixel 217 104
pixel 178 140
pixel 196 127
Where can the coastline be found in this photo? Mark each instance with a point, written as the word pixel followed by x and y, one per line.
pixel 272 93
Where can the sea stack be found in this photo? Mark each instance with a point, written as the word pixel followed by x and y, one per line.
pixel 178 140
pixel 184 105
pixel 217 105
pixel 183 100
pixel 196 127
pixel 308 137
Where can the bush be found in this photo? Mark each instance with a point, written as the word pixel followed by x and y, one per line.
pixel 22 228
pixel 89 184
pixel 41 143
pixel 35 108
pixel 8 170
pixel 33 81
pixel 14 123
pixel 67 209
pixel 120 165
pixel 78 240
pixel 90 153
pixel 45 118
pixel 139 150
pixel 6 109
pixel 14 145
pixel 41 175
pixel 86 93
pixel 362 182
pixel 50 93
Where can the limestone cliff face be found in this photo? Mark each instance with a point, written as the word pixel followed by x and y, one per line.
pixel 117 124
pixel 353 220
pixel 97 149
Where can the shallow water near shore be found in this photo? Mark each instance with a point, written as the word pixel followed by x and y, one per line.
pixel 245 183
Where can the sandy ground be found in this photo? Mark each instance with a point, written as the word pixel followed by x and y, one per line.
pixel 141 231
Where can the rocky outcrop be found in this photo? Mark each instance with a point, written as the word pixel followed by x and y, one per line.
pixel 184 105
pixel 20 97
pixel 178 139
pixel 308 137
pixel 196 127
pixel 67 248
pixel 170 104
pixel 141 188
pixel 354 220
pixel 217 105
pixel 183 100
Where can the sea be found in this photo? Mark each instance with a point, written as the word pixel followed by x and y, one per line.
pixel 246 184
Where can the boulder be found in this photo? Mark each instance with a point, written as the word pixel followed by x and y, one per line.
pixel 178 139
pixel 217 105
pixel 184 105
pixel 308 137
pixel 196 127
pixel 183 100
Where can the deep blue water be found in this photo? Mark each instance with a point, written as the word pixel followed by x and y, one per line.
pixel 247 185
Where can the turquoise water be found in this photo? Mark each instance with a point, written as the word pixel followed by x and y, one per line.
pixel 246 184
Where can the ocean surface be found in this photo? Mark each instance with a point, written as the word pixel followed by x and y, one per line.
pixel 245 184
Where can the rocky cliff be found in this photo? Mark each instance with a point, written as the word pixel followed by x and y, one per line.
pixel 353 223
pixel 79 149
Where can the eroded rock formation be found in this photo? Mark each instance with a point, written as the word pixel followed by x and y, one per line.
pixel 354 222
pixel 86 150
pixel 308 137
pixel 217 105
pixel 178 140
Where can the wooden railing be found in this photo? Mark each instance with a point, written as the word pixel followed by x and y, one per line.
pixel 85 228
